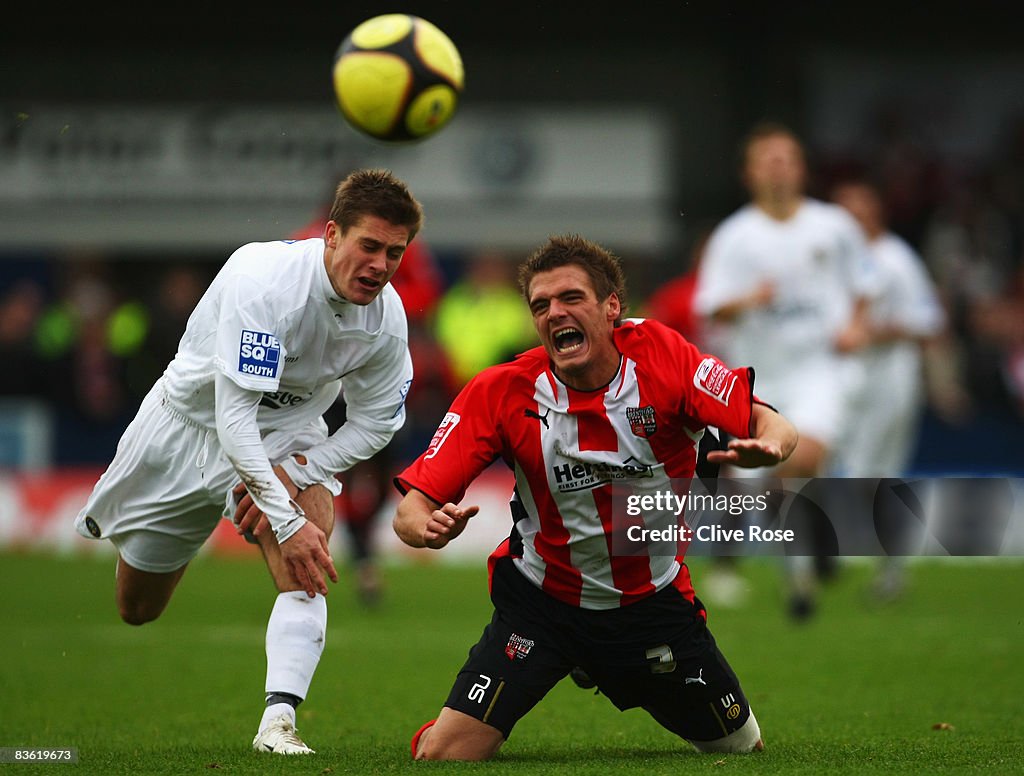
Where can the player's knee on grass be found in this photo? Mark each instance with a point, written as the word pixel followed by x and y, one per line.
pixel 457 736
pixel 743 741
pixel 138 612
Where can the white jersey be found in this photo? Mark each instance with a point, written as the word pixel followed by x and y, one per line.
pixel 269 346
pixel 907 299
pixel 880 442
pixel 819 264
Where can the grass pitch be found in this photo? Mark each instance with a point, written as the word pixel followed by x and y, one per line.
pixel 859 689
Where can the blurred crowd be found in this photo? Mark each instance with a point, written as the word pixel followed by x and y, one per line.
pixel 966 219
pixel 89 334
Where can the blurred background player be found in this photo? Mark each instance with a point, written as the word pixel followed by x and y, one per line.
pixel 905 316
pixel 785 280
pixel 235 426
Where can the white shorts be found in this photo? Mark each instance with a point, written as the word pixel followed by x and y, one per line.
pixel 880 440
pixel 170 483
pixel 815 397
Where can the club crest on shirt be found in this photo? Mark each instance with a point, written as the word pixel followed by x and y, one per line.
pixel 641 420
pixel 259 354
pixel 518 647
pixel 715 379
pixel 448 423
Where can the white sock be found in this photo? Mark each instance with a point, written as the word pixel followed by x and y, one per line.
pixel 296 632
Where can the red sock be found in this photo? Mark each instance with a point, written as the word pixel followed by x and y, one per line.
pixel 416 736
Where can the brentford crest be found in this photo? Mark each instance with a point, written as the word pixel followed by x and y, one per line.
pixel 518 647
pixel 641 420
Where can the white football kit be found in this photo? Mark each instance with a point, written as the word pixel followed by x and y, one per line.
pixel 264 354
pixel 819 264
pixel 888 406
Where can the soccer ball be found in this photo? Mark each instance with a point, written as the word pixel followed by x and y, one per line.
pixel 397 78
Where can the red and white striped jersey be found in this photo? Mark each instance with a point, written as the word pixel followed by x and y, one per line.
pixel 569 447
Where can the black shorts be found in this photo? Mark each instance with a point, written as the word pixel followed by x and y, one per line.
pixel 656 654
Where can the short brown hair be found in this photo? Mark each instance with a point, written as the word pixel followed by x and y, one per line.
pixel 601 265
pixel 763 129
pixel 376 193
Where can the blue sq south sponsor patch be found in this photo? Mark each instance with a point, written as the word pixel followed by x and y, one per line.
pixel 259 354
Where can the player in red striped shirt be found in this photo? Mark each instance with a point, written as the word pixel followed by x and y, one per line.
pixel 605 402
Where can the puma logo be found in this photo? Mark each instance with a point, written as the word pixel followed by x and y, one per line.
pixel 542 418
pixel 698 679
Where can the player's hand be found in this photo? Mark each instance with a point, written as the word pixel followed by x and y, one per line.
pixel 248 516
pixel 854 337
pixel 445 524
pixel 748 454
pixel 763 295
pixel 306 556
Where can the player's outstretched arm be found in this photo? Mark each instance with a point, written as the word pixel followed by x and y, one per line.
pixel 774 440
pixel 422 522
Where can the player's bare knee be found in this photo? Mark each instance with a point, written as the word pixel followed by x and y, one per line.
pixel 745 740
pixel 142 596
pixel 436 748
pixel 138 612
pixel 457 737
pixel 429 748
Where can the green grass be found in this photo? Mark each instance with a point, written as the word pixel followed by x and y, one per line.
pixel 856 690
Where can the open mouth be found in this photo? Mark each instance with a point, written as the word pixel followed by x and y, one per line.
pixel 369 284
pixel 567 340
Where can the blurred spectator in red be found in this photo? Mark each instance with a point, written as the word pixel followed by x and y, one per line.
pixel 20 309
pixel 672 303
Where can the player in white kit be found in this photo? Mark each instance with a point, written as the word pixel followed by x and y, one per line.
pixel 234 427
pixel 904 317
pixel 785 283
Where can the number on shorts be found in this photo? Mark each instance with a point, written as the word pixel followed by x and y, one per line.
pixel 476 692
pixel 661 660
